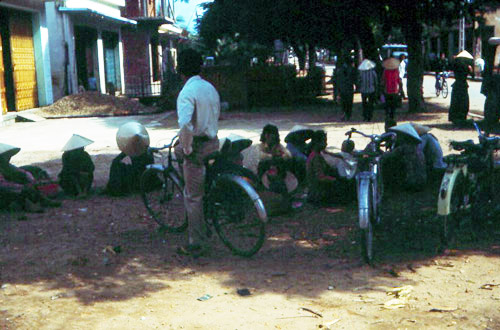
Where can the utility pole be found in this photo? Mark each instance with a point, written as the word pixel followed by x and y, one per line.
pixel 461 34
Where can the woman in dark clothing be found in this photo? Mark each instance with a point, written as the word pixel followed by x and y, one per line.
pixel 18 186
pixel 325 184
pixel 125 178
pixel 459 104
pixel 77 173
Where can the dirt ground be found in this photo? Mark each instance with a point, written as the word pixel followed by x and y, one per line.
pixel 60 269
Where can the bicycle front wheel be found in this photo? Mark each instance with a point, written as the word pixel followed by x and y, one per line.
pixel 367 233
pixel 236 218
pixel 451 221
pixel 445 89
pixel 164 200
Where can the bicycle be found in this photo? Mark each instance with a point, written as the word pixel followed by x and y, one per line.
pixel 231 204
pixel 369 187
pixel 467 184
pixel 441 84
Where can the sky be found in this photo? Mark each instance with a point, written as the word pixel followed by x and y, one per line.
pixel 188 12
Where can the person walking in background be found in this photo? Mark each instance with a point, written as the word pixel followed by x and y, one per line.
pixel 390 84
pixel 198 110
pixel 459 104
pixel 402 75
pixel 367 87
pixel 345 80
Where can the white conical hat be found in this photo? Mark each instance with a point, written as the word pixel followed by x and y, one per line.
pixel 132 138
pixel 494 41
pixel 465 54
pixel 238 143
pixel 75 142
pixel 306 132
pixel 407 129
pixel 391 63
pixel 7 151
pixel 366 65
pixel 421 129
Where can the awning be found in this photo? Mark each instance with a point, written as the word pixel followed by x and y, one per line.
pixel 156 20
pixel 97 15
pixel 169 28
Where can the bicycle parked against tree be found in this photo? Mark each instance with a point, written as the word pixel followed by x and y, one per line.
pixel 231 204
pixel 441 84
pixel 467 187
pixel 369 187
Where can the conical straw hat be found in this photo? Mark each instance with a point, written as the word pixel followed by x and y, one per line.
pixel 391 63
pixel 494 41
pixel 366 65
pixel 421 129
pixel 234 143
pixel 75 142
pixel 132 138
pixel 465 54
pixel 7 151
pixel 406 129
pixel 299 130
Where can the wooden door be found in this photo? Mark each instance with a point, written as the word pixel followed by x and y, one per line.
pixel 3 99
pixel 23 61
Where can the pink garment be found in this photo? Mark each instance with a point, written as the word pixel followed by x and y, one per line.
pixel 391 81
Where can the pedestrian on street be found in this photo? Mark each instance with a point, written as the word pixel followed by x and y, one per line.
pixel 402 74
pixel 345 80
pixel 367 87
pixel 198 110
pixel 390 84
pixel 459 104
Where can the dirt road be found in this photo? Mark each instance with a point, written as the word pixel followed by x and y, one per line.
pixel 101 264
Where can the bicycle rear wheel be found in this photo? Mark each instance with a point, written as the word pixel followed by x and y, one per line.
pixel 236 218
pixel 164 200
pixel 445 89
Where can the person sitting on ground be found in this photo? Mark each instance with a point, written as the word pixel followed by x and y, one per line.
pixel 18 187
pixel 404 166
pixel 77 172
pixel 432 151
pixel 124 178
pixel 298 142
pixel 325 184
pixel 271 161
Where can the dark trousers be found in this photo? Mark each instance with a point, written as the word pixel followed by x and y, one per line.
pixel 391 103
pixel 368 100
pixel 346 101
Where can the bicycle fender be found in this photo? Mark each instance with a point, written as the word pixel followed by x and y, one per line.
pixel 363 204
pixel 249 189
pixel 446 187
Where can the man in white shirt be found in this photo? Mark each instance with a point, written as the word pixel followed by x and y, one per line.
pixel 198 109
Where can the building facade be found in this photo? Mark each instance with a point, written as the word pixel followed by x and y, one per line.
pixel 150 48
pixel 86 48
pixel 25 68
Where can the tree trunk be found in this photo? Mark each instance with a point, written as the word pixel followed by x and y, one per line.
pixel 415 67
pixel 312 56
pixel 301 55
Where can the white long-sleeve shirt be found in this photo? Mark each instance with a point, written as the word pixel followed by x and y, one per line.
pixel 198 110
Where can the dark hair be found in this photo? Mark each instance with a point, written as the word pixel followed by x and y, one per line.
pixel 189 62
pixel 317 137
pixel 269 129
pixel 389 123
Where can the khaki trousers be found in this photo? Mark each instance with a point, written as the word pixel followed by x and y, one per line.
pixel 194 188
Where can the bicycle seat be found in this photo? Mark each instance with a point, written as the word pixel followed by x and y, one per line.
pixel 462 145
